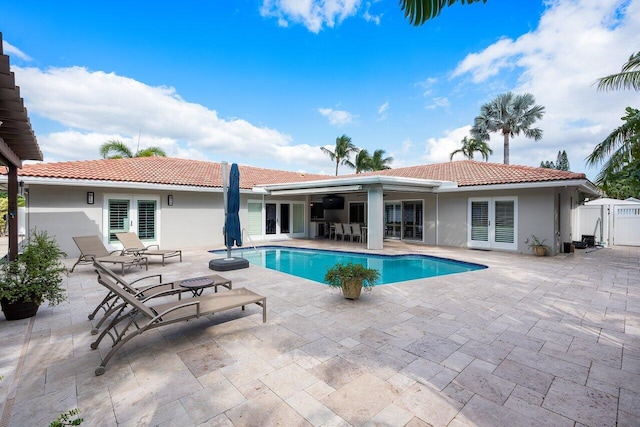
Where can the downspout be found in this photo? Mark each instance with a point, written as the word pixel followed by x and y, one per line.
pixel 437 216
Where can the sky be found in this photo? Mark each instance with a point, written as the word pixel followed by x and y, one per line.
pixel 268 82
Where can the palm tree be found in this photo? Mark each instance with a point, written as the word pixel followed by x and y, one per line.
pixel 471 145
pixel 623 144
pixel 115 149
pixel 419 11
pixel 363 161
pixel 344 148
pixel 508 114
pixel 628 78
pixel 379 162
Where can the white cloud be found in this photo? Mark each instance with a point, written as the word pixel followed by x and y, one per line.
pixel 313 14
pixel 575 43
pixel 369 17
pixel 427 86
pixel 438 150
pixel 337 117
pixel 96 106
pixel 438 102
pixel 382 111
pixel 11 50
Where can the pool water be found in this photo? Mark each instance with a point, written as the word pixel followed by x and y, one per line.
pixel 312 264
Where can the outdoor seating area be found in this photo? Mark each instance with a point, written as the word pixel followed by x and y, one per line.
pixel 353 232
pixel 528 341
pixel 91 247
pixel 131 244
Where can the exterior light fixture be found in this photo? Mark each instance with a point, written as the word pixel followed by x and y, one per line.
pixel 90 197
pixel 170 200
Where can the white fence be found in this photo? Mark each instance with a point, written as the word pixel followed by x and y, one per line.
pixel 609 224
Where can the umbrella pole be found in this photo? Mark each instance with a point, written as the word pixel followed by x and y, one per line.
pixel 225 191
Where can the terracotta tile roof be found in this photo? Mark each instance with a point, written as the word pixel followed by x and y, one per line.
pixel 473 173
pixel 161 170
pixel 172 171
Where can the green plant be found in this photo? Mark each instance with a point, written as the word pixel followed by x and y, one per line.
pixel 36 274
pixel 340 273
pixel 65 419
pixel 534 242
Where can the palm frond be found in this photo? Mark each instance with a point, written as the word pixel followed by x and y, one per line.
pixel 628 78
pixel 420 11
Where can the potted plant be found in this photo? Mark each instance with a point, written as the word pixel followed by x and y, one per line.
pixel 537 245
pixel 351 278
pixel 33 277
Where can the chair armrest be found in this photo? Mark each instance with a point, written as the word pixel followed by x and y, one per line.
pixel 159 276
pixel 117 250
pixel 177 307
pixel 151 246
pixel 166 293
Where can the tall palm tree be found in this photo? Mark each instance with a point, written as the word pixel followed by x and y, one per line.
pixel 419 11
pixel 363 161
pixel 510 115
pixel 115 149
pixel 341 153
pixel 379 162
pixel 628 78
pixel 470 146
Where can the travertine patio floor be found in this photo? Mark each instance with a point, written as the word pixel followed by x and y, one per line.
pixel 528 341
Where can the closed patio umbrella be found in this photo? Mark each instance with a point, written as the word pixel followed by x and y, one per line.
pixel 232 222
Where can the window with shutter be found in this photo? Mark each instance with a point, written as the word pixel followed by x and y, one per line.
pixel 147 220
pixel 504 228
pixel 493 222
pixel 118 218
pixel 480 221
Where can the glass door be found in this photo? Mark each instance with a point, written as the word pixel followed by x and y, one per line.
pixel 270 213
pixel 412 220
pixel 493 222
pixel 392 220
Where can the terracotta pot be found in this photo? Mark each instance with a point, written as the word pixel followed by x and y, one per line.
pixel 539 250
pixel 19 309
pixel 351 289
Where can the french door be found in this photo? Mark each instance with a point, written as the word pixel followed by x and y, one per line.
pixel 138 214
pixel 493 222
pixel 276 219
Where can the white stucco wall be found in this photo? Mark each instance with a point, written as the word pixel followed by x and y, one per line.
pixel 194 220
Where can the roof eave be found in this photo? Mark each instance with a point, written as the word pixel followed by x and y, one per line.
pixel 584 184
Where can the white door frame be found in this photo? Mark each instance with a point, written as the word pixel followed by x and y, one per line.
pixel 133 200
pixel 491 242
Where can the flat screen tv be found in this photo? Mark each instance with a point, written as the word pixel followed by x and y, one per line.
pixel 333 202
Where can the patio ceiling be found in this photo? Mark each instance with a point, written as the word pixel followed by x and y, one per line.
pixel 17 140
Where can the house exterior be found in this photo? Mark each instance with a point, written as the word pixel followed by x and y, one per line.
pixel 179 203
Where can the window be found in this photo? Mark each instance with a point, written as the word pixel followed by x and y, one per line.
pixel 147 220
pixel 118 218
pixel 357 212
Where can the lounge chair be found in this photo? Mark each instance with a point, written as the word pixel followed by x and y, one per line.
pixel 137 316
pixel 112 303
pixel 92 247
pixel 339 231
pixel 132 244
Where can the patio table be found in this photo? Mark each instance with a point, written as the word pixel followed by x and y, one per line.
pixel 198 284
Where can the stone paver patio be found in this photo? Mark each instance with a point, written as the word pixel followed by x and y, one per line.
pixel 528 341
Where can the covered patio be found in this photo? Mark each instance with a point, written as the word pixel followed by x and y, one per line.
pixel 17 143
pixel 528 341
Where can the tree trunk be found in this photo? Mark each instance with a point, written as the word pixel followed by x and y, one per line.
pixel 506 148
pixel 337 163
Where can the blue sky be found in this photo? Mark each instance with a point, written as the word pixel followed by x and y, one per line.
pixel 267 83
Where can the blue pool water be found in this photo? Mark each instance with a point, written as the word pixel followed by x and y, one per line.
pixel 313 263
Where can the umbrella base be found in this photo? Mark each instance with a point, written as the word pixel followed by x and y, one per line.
pixel 226 264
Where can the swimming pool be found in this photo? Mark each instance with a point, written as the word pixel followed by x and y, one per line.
pixel 312 264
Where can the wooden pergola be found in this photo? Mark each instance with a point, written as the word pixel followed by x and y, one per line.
pixel 17 143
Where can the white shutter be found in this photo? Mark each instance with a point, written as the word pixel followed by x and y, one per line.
pixel 118 218
pixel 480 221
pixel 254 226
pixel 504 222
pixel 147 219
